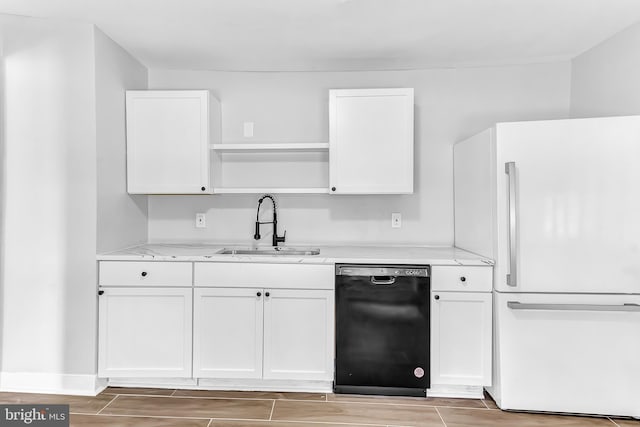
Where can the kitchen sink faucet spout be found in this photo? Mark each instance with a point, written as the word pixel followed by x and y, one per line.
pixel 275 239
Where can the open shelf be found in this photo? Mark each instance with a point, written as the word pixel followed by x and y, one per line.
pixel 273 190
pixel 271 146
pixel 270 167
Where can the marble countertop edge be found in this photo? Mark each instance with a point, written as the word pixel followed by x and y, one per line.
pixel 335 254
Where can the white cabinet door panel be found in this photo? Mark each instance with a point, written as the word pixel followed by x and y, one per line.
pixel 371 141
pixel 145 332
pixel 227 333
pixel 298 340
pixel 461 330
pixel 168 142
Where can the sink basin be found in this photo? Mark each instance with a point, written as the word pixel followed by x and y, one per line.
pixel 270 251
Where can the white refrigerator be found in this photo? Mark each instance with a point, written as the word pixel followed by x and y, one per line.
pixel 557 205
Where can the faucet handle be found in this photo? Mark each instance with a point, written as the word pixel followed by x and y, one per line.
pixel 280 239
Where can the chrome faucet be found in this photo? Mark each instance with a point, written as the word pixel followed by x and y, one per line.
pixel 275 238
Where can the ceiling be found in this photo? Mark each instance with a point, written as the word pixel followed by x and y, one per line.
pixel 324 35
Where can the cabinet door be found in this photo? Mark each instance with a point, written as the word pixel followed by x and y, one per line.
pixel 371 141
pixel 168 142
pixel 461 338
pixel 227 333
pixel 298 334
pixel 145 332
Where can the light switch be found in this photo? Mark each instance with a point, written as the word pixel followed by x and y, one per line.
pixel 248 129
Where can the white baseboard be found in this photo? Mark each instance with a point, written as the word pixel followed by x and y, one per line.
pixel 456 391
pixel 30 382
pixel 311 386
pixel 183 383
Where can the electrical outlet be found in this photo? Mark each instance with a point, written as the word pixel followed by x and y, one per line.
pixel 396 220
pixel 201 220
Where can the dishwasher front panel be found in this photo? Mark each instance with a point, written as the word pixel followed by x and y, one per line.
pixel 382 330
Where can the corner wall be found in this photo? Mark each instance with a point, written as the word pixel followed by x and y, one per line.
pixel 122 218
pixel 604 79
pixel 49 210
pixel 64 196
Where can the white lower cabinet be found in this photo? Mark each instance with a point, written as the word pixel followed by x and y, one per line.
pixel 461 338
pixel 283 334
pixel 263 322
pixel 145 332
pixel 298 334
pixel 461 330
pixel 227 333
pixel 270 325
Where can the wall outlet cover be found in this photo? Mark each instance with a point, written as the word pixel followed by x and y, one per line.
pixel 201 220
pixel 396 220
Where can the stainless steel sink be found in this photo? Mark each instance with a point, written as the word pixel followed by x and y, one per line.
pixel 270 251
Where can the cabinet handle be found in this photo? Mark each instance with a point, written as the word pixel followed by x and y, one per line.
pixel 143 274
pixel 100 292
pixel 333 188
pixel 267 294
pixel 202 188
pixel 259 294
pixel 437 297
pixel 463 279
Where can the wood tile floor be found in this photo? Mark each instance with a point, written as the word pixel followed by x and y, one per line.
pixel 159 407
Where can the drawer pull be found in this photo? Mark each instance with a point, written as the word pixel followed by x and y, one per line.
pixel 463 279
pixel 437 297
pixel 143 274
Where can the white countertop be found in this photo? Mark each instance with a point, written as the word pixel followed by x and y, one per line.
pixel 432 255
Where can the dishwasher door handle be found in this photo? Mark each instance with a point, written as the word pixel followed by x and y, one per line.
pixel 382 280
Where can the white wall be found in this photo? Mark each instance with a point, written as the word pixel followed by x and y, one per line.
pixel 604 80
pixel 122 218
pixel 451 104
pixel 49 209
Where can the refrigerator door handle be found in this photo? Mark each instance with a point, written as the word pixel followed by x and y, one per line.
pixel 515 305
pixel 510 170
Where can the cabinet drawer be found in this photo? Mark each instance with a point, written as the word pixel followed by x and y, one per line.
pixel 134 273
pixel 289 276
pixel 464 279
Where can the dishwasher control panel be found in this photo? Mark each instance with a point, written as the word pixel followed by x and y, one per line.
pixel 382 270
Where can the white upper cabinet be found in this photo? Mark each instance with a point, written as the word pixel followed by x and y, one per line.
pixel 371 141
pixel 168 137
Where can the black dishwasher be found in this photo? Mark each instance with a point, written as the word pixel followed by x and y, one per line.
pixel 382 329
